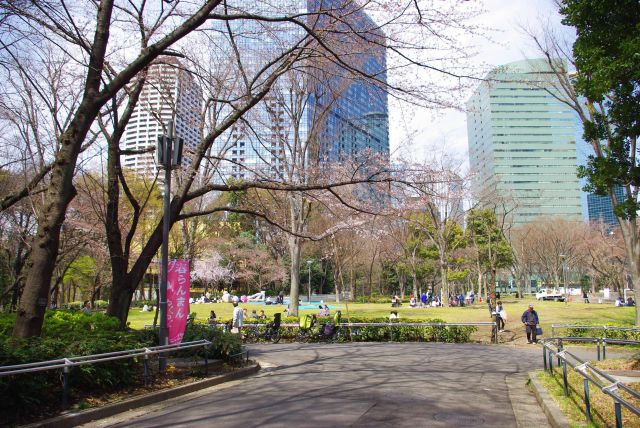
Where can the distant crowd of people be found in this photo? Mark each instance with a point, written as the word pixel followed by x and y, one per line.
pixel 620 302
pixel 428 299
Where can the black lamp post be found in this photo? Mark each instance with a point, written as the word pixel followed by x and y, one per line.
pixel 168 156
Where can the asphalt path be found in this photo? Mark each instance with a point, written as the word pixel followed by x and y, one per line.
pixel 363 385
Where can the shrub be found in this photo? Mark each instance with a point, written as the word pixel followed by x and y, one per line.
pixel 610 334
pixel 74 333
pixel 141 303
pixel 100 304
pixel 223 344
pixel 451 334
pixel 65 334
pixel 400 333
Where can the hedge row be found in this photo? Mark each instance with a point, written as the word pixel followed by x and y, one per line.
pixel 450 334
pixel 610 334
pixel 72 333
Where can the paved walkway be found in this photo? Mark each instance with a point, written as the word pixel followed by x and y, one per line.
pixel 364 385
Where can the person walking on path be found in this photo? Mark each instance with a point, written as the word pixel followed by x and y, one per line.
pixel 501 316
pixel 530 321
pixel 585 296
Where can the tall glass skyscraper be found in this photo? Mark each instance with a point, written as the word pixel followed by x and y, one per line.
pixel 594 207
pixel 522 142
pixel 344 114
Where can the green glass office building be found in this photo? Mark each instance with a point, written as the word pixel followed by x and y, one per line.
pixel 522 144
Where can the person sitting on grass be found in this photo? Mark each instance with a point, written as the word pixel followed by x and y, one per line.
pixel 412 301
pixel 393 315
pixel 212 317
pixel 262 316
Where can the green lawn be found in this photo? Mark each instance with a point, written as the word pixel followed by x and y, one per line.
pixel 549 313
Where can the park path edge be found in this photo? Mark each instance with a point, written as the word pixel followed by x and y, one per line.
pixel 78 418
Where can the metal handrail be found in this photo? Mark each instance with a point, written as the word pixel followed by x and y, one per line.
pixel 583 369
pixel 66 363
pixel 605 328
pixel 97 358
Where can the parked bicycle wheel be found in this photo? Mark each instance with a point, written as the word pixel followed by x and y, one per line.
pixel 304 336
pixel 252 335
pixel 274 336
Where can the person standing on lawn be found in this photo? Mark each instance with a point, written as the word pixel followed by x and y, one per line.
pixel 530 320
pixel 237 319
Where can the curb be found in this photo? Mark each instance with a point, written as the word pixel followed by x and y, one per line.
pixel 79 418
pixel 556 418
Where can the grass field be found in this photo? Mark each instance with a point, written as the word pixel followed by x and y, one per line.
pixel 548 312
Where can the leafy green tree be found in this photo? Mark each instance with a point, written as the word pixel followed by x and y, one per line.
pixel 82 273
pixel 441 238
pixel 493 248
pixel 606 56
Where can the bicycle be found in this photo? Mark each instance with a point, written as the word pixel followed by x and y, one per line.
pixel 271 332
pixel 305 333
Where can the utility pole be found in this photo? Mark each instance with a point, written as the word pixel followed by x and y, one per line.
pixel 169 156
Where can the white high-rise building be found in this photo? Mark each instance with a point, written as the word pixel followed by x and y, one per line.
pixel 169 93
pixel 522 142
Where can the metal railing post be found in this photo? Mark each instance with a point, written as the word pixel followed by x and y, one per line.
pixel 587 402
pixel 564 377
pixel 65 384
pixel 618 410
pixel 146 366
pixel 550 362
pixel 390 332
pixel 604 348
pixel 560 349
pixel 206 362
pixel 544 356
pixel 598 342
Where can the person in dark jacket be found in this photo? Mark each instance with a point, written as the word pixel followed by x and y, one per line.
pixel 530 320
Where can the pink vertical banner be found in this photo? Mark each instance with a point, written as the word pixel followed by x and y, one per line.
pixel 178 282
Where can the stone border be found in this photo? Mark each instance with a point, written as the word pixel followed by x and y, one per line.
pixel 556 418
pixel 83 417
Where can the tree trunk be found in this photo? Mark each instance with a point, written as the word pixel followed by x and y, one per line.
pixel 632 247
pixel 443 279
pixel 295 248
pixel 352 285
pixel 337 279
pixel 45 246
